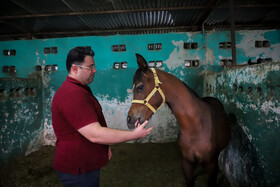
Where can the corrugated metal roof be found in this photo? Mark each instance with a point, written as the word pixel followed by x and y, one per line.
pixel 25 19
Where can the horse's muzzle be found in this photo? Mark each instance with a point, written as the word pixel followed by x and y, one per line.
pixel 130 122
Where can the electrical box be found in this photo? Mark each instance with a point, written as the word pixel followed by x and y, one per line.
pixel 54 67
pixel 120 65
pixel 118 48
pixel 11 52
pixel 260 44
pixel 53 50
pixel 152 64
pixel 38 68
pixel 50 50
pixel 188 63
pixel 13 69
pixel 190 45
pixel 159 63
pixel 124 65
pixel 6 69
pixel 155 46
pixel 191 63
pixel 116 65
pixel 225 45
pixel 48 68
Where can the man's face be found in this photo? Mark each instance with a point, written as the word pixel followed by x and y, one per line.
pixel 87 70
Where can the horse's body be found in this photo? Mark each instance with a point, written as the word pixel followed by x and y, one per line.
pixel 204 126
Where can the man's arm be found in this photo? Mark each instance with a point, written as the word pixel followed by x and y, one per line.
pixel 95 133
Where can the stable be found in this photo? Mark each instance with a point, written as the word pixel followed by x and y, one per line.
pixel 228 49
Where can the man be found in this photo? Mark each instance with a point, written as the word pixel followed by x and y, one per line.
pixel 79 125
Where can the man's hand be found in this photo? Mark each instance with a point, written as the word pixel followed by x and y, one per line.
pixel 140 131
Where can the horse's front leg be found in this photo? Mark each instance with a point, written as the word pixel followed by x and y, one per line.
pixel 212 171
pixel 188 169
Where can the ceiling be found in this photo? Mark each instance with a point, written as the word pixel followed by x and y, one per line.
pixel 36 19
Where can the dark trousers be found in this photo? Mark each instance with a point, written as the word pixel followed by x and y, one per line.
pixel 90 179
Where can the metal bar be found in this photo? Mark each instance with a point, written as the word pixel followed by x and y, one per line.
pixel 99 31
pixel 232 33
pixel 204 14
pixel 66 4
pixel 128 30
pixel 28 34
pixel 21 4
pixel 266 24
pixel 138 10
pixel 269 25
pixel 15 26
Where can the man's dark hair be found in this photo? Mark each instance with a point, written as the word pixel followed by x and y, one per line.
pixel 77 56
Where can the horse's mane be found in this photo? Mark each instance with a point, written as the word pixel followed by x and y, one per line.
pixel 191 90
pixel 188 88
pixel 139 75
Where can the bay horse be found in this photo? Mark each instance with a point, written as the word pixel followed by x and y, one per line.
pixel 204 125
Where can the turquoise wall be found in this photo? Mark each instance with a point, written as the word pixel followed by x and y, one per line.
pixel 26 120
pixel 252 94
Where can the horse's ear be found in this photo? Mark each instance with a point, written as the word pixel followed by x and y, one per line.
pixel 142 63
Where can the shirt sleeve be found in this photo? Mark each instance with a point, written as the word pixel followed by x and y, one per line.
pixel 78 109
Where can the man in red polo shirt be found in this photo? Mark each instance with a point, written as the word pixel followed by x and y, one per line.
pixel 79 125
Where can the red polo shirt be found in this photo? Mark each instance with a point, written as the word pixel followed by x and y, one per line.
pixel 73 107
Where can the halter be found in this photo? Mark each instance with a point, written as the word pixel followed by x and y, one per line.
pixel 156 88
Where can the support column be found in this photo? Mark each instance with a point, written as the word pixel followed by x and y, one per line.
pixel 232 33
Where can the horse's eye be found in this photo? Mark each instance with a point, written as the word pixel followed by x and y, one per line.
pixel 140 88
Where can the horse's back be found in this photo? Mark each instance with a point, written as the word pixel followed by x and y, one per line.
pixel 214 102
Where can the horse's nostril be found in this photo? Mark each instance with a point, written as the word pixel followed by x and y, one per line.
pixel 128 119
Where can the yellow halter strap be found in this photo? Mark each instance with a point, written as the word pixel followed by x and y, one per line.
pixel 156 88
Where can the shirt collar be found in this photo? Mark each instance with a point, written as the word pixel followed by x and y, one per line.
pixel 75 81
pixel 70 79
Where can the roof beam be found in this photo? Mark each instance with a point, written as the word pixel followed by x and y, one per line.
pixel 203 14
pixel 137 10
pixel 96 32
pixel 232 33
pixel 131 30
pixel 69 6
pixel 15 26
pixel 252 25
pixel 19 3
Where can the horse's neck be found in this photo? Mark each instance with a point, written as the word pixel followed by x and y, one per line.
pixel 180 99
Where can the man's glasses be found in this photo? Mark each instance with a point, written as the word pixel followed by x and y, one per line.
pixel 90 68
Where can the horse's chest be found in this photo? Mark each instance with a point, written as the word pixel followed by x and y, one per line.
pixel 194 149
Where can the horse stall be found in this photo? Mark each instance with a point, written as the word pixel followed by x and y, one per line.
pixel 233 58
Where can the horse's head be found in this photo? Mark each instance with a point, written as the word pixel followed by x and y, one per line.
pixel 147 95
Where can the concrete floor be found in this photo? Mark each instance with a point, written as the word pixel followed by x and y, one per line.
pixel 131 165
